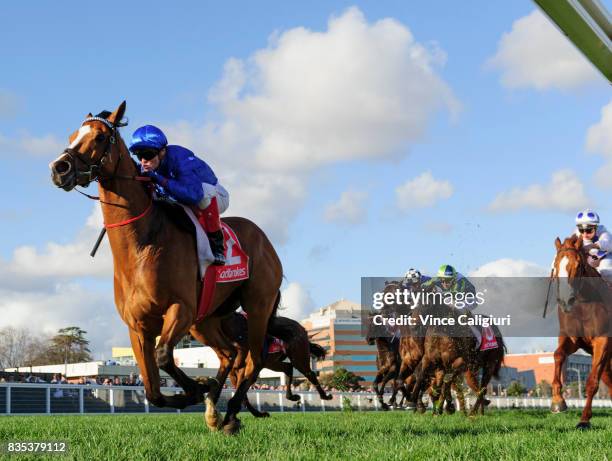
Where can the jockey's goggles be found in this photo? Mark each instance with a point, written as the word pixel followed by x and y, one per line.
pixel 147 154
pixel 588 229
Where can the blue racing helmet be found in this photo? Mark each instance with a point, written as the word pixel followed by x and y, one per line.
pixel 148 137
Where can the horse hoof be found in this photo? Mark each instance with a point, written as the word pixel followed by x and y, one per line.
pixel 327 397
pixel 583 425
pixel 293 398
pixel 265 414
pixel 211 416
pixel 384 407
pixel 558 407
pixel 486 402
pixel 421 410
pixel 450 409
pixel 232 427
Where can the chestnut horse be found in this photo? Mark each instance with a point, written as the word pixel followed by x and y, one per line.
pixel 156 277
pixel 585 322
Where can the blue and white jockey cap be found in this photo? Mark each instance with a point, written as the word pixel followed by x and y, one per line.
pixel 412 276
pixel 587 218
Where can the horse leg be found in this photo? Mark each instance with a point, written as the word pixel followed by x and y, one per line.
pixel 236 378
pixel 600 362
pixel 378 389
pixel 565 348
pixel 227 353
pixel 144 351
pixel 211 415
pixel 421 377
pixel 286 368
pixel 487 374
pixel 301 361
pixel 460 390
pixel 257 327
pixel 606 377
pixel 177 322
pixel 438 388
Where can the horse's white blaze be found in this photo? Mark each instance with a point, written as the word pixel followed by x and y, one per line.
pixel 82 132
pixel 563 267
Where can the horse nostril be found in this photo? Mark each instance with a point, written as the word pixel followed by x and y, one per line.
pixel 571 301
pixel 62 167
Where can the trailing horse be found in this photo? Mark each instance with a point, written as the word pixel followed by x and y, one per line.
pixel 297 348
pixel 585 322
pixel 156 276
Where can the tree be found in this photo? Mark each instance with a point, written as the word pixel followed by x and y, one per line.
pixel 515 389
pixel 19 347
pixel 544 389
pixel 69 345
pixel 341 379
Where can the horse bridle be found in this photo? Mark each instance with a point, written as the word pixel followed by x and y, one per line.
pixel 578 275
pixel 93 171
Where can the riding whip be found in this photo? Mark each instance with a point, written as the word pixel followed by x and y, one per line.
pixel 97 244
pixel 548 292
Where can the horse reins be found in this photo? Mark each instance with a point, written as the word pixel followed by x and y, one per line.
pixel 552 276
pixel 94 174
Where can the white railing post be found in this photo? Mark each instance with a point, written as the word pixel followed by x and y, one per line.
pixel 81 400
pixel 303 402
pixel 48 400
pixel 322 405
pixel 359 402
pixel 258 401
pixel 280 401
pixel 8 400
pixel 111 396
pixel 146 405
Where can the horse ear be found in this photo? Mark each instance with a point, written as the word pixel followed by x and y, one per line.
pixel 116 116
pixel 558 243
pixel 578 243
pixel 89 115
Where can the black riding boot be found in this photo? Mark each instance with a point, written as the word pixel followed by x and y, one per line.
pixel 216 245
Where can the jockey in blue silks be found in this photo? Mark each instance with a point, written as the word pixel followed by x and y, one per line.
pixel 178 173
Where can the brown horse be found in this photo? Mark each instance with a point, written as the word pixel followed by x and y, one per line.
pixel 298 349
pixel 156 279
pixel 440 355
pixel 387 366
pixel 585 318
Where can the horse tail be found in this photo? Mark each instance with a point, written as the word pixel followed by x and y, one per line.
pixel 317 351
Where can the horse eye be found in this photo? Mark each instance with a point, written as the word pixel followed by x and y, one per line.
pixel 101 137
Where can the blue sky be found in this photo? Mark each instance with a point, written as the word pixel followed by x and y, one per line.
pixel 60 62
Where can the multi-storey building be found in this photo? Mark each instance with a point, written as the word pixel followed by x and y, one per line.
pixel 337 327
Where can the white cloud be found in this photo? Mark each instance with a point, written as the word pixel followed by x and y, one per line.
pixel 296 302
pixel 60 261
pixel 599 140
pixel 506 267
pixel 565 192
pixel 349 209
pixel 535 54
pixel 46 311
pixel 41 146
pixel 39 289
pixel 422 191
pixel 310 99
